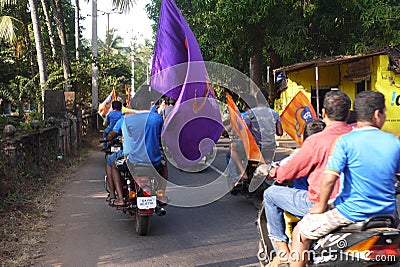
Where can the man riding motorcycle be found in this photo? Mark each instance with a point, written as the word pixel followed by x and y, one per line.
pixel 141 133
pixel 310 161
pixel 116 131
pixel 368 183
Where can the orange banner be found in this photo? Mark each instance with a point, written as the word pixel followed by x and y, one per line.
pixel 240 128
pixel 295 116
pixel 127 96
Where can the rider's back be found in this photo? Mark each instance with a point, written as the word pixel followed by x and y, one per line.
pixel 311 159
pixel 368 187
pixel 143 135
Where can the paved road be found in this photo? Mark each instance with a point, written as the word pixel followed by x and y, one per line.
pixel 87 232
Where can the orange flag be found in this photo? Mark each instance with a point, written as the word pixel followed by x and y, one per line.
pixel 295 116
pixel 241 130
pixel 128 96
pixel 105 106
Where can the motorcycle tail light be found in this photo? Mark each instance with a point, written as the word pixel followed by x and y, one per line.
pixel 142 180
pixel 160 193
pixel 369 249
pixel 146 191
pixel 362 249
pixel 132 194
pixel 384 251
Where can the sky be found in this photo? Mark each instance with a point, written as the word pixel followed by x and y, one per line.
pixel 134 23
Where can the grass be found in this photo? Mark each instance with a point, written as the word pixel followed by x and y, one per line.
pixel 25 213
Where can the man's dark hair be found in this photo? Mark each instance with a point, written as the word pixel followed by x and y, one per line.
pixel 250 101
pixel 116 105
pixel 313 126
pixel 171 101
pixel 262 97
pixel 337 105
pixel 365 104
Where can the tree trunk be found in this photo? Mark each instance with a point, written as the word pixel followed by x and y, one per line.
pixel 276 62
pixel 256 60
pixel 39 47
pixel 256 67
pixel 48 23
pixel 59 17
pixel 77 30
pixel 28 42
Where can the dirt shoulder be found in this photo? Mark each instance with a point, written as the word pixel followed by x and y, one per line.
pixel 24 214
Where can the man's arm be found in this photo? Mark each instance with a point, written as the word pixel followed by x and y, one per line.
pixel 302 163
pixel 111 135
pixel 279 129
pixel 278 124
pixel 327 184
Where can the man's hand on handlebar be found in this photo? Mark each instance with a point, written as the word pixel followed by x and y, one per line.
pixel 265 170
pixel 272 174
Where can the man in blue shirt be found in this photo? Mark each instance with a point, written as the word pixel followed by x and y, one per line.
pixel 141 134
pixel 116 131
pixel 264 123
pixel 370 161
pixel 112 118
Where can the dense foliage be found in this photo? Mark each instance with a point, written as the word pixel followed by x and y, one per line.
pixel 245 34
pixel 19 61
pixel 287 31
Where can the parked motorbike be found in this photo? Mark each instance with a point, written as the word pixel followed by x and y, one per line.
pixel 373 242
pixel 142 194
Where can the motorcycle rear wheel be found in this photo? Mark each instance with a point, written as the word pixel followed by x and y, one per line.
pixel 142 224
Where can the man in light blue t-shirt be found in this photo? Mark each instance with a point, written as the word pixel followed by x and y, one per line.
pixel 370 161
pixel 141 141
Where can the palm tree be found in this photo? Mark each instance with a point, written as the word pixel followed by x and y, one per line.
pixel 56 5
pixel 124 5
pixel 114 45
pixel 39 46
pixel 77 30
pixel 10 26
pixel 49 28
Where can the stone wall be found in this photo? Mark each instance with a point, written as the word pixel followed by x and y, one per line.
pixel 37 151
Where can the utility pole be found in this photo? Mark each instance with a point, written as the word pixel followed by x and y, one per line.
pixel 133 67
pixel 95 75
pixel 108 39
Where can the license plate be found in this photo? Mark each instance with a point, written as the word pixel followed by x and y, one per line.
pixel 115 148
pixel 147 202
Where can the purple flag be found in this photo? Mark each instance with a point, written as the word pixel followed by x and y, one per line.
pixel 178 71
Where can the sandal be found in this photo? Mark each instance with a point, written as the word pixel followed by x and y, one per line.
pixel 113 204
pixel 109 198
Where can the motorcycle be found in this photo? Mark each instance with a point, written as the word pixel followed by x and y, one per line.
pixel 254 186
pixel 373 242
pixel 142 194
pixel 113 146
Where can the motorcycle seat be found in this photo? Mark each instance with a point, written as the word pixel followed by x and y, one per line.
pixel 144 171
pixel 141 169
pixel 377 221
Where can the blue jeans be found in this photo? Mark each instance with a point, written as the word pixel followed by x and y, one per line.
pixel 278 199
pixel 105 133
pixel 114 156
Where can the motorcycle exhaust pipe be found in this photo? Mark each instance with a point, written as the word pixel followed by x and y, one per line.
pixel 160 211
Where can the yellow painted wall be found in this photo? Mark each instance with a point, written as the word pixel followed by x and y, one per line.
pixel 382 80
pixel 388 83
